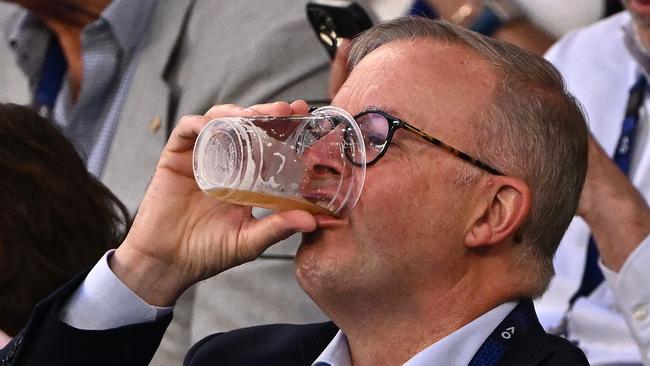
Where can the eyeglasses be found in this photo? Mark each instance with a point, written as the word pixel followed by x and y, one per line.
pixel 378 128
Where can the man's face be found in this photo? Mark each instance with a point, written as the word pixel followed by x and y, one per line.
pixel 407 229
pixel 73 12
pixel 640 10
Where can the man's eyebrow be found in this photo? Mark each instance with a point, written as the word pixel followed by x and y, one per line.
pixel 382 108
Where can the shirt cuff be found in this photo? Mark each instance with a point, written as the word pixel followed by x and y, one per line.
pixel 631 288
pixel 104 302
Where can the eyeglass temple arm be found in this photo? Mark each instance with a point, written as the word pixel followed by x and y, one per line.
pixel 452 150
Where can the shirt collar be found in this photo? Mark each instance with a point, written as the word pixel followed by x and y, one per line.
pixel 28 38
pixel 336 353
pixel 127 21
pixel 125 18
pixel 458 348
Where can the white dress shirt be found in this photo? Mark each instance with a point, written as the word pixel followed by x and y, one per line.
pixel 612 325
pixel 104 302
pixel 458 348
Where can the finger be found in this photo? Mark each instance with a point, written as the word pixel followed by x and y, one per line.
pixel 263 233
pixel 299 107
pixel 227 110
pixel 339 68
pixel 184 134
pixel 271 109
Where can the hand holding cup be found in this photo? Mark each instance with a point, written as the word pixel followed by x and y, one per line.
pixel 181 235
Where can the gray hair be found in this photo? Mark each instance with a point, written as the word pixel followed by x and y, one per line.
pixel 534 130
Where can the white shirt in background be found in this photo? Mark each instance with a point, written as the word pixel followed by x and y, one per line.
pixel 612 325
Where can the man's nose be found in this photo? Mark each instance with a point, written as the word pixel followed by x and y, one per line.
pixel 326 157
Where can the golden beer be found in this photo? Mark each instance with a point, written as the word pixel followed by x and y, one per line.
pixel 265 200
pixel 283 163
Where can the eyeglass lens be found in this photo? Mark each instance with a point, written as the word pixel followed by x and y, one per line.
pixel 374 129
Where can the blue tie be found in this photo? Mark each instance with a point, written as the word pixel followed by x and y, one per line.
pixel 592 276
pixel 52 73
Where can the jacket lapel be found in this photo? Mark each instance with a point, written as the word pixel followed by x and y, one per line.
pixel 142 128
pixel 536 346
pixel 312 344
pixel 531 350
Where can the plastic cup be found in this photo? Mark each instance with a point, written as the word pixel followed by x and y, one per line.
pixel 283 163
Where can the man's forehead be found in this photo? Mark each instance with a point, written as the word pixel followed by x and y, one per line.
pixel 423 74
pixel 425 52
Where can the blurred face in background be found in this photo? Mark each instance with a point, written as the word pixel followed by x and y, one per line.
pixel 73 12
pixel 640 10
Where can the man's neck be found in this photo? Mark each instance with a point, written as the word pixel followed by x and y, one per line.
pixel 643 36
pixel 385 332
pixel 66 19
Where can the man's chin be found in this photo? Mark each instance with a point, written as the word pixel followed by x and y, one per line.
pixel 309 239
pixel 315 257
pixel 320 281
pixel 308 271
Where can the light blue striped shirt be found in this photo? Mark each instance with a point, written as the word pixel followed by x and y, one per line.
pixel 110 55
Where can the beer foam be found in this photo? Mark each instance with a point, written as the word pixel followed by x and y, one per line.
pixel 257 138
pixel 250 179
pixel 282 163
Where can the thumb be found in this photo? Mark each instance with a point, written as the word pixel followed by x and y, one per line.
pixel 265 232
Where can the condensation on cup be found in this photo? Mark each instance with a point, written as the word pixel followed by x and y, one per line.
pixel 283 163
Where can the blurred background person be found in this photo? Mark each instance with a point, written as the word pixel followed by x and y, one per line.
pixel 600 297
pixel 531 24
pixel 115 75
pixel 56 218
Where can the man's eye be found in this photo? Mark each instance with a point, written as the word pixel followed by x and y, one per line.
pixel 376 141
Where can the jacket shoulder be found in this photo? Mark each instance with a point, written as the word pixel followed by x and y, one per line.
pixel 278 344
pixel 542 349
pixel 565 353
pixel 536 347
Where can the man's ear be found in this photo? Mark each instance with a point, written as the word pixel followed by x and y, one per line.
pixel 502 211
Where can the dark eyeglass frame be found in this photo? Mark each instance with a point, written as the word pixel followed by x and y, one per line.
pixel 395 124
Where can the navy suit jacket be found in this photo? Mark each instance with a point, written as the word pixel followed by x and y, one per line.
pixel 48 341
